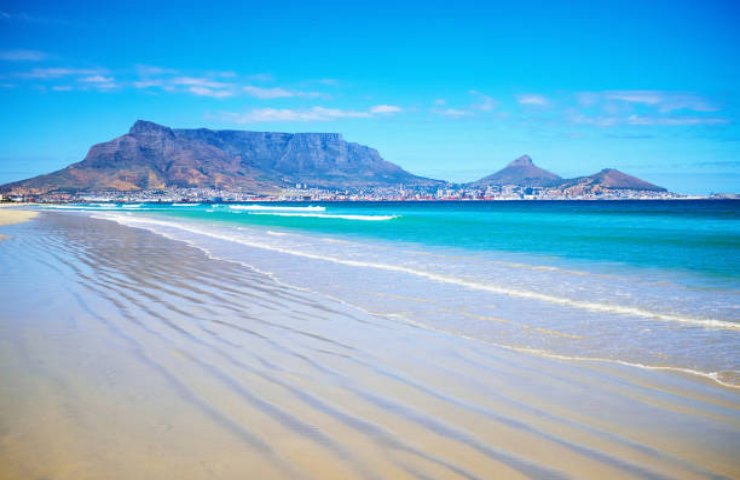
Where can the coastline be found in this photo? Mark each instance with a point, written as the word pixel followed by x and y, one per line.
pixel 205 367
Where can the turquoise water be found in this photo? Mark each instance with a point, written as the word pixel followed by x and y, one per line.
pixel 650 284
pixel 696 236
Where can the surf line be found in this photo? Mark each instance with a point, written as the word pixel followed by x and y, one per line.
pixel 584 305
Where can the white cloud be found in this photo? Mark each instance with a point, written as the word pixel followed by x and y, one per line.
pixel 44 73
pixel 606 121
pixel 314 114
pixel 663 102
pixel 385 109
pixel 97 79
pixel 199 82
pixel 267 93
pixel 209 92
pixel 22 55
pixel 452 112
pixel 276 92
pixel 645 97
pixel 532 99
pixel 675 121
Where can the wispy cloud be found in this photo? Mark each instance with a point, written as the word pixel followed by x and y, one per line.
pixel 607 121
pixel 675 121
pixel 59 72
pixel 660 101
pixel 532 99
pixel 23 17
pixel 199 82
pixel 452 112
pixel 276 92
pixel 99 81
pixel 209 92
pixel 314 114
pixel 483 102
pixel 385 109
pixel 22 55
pixel 480 103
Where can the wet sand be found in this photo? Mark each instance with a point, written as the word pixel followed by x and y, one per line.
pixel 127 355
pixel 10 216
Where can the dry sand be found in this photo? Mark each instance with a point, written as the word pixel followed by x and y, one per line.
pixel 9 216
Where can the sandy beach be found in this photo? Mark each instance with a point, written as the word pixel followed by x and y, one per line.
pixel 9 216
pixel 141 357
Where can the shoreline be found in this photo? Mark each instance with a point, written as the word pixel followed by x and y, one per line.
pixel 204 367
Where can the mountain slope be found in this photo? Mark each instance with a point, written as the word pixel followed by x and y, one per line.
pixel 521 171
pixel 612 179
pixel 152 156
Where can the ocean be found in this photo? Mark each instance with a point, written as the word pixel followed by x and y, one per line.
pixel 651 284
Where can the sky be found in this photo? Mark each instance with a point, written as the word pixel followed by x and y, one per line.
pixel 449 90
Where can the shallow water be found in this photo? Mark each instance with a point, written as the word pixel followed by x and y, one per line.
pixel 128 355
pixel 682 316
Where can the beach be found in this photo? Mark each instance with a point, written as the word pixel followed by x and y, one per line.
pixel 126 354
pixel 10 216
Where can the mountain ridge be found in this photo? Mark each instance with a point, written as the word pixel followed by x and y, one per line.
pixel 153 156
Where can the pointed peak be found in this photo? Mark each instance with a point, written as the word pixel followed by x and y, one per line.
pixel 147 127
pixel 523 161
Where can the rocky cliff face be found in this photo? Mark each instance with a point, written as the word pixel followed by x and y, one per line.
pixel 521 171
pixel 153 156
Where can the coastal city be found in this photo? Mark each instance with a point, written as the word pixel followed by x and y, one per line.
pixel 305 193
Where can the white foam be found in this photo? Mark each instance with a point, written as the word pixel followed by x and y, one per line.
pixel 713 376
pixel 185 204
pixel 278 208
pixel 436 277
pixel 362 218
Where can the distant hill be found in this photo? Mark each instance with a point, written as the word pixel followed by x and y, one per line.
pixel 152 156
pixel 521 171
pixel 611 179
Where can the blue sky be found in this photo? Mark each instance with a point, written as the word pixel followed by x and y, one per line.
pixel 451 90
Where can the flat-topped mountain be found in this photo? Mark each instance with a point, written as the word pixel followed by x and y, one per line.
pixel 521 171
pixel 152 156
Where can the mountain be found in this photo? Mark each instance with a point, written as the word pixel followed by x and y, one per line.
pixel 611 179
pixel 521 171
pixel 525 173
pixel 152 156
